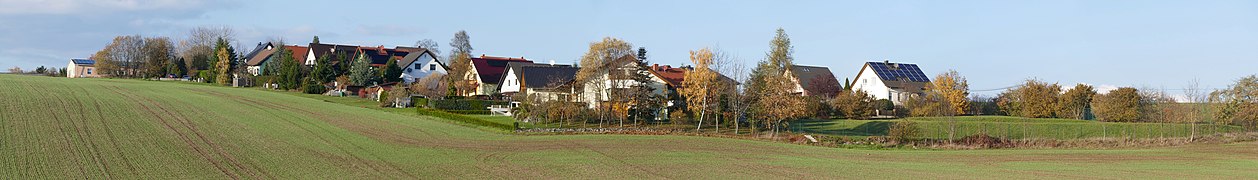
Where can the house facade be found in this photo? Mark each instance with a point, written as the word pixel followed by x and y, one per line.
pixel 814 81
pixel 420 63
pixel 81 68
pixel 891 81
pixel 255 60
pixel 484 74
pixel 546 81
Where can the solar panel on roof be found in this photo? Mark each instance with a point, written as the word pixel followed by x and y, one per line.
pixel 910 72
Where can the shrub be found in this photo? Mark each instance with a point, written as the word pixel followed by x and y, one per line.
pixel 312 87
pixel 465 104
pixel 855 104
pixel 420 102
pixel 1120 105
pixel 903 131
pixel 462 118
pixel 482 112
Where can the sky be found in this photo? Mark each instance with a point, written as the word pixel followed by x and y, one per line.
pixel 994 44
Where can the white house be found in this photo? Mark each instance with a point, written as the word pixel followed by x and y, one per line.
pixel 254 60
pixel 81 68
pixel 485 73
pixel 420 64
pixel 891 81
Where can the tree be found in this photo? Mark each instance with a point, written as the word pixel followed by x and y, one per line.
pixel 432 86
pixel 953 89
pixel 15 70
pixel 776 99
pixel 289 75
pixel 201 45
pixel 1033 99
pixel 433 47
pixel 698 84
pixel 597 80
pixel 391 72
pixel 1075 102
pixel 323 72
pixel 223 57
pixel 854 104
pixel 316 40
pixel 1119 105
pixel 1238 103
pixel 460 62
pixel 41 70
pixel 360 73
pixel 645 102
pixel 121 57
pixel 158 53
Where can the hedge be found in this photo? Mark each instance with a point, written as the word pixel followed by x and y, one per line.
pixel 481 112
pixel 465 104
pixel 462 118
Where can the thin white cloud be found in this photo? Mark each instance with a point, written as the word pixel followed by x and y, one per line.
pixel 43 7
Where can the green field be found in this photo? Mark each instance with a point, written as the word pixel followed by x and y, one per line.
pixel 1012 128
pixel 59 128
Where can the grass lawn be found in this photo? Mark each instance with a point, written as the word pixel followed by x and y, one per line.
pixel 1010 127
pixel 60 128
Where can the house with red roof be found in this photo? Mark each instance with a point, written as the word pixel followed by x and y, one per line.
pixel 485 73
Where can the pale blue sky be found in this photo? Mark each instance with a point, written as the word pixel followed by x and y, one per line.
pixel 1141 43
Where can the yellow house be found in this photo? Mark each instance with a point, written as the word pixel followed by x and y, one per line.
pixel 82 68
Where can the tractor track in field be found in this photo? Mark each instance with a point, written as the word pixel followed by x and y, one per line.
pixel 183 137
pixel 251 168
pixel 325 118
pixel 100 115
pixel 65 136
pixel 85 134
pixel 355 158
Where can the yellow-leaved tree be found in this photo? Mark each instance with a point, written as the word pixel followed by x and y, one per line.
pixel 953 89
pixel 699 83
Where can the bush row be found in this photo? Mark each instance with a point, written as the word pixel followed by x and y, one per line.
pixel 465 104
pixel 462 118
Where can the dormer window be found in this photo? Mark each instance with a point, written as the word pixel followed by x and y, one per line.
pixel 432 67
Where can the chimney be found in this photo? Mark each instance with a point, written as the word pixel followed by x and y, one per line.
pixel 668 66
pixel 655 67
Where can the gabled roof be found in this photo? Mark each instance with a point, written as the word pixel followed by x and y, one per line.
pixel 414 55
pixel 546 76
pixel 517 68
pixel 900 76
pixel 262 56
pixel 299 52
pixel 321 50
pixel 261 46
pixel 85 62
pixel 380 55
pixel 491 68
pixel 672 76
pixel 808 76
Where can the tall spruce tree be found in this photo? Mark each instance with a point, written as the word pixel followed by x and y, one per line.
pixel 360 73
pixel 390 72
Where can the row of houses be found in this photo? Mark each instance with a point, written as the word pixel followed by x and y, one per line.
pixel 415 62
pixel 506 77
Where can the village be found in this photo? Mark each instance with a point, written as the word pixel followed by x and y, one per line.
pixel 595 89
pixel 615 84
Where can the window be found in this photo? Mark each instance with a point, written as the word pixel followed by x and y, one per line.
pixel 416 68
pixel 89 71
pixel 408 70
pixel 432 67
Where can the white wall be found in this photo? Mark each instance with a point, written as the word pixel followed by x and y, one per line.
pixel 310 57
pixel 426 64
pixel 510 83
pixel 871 84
